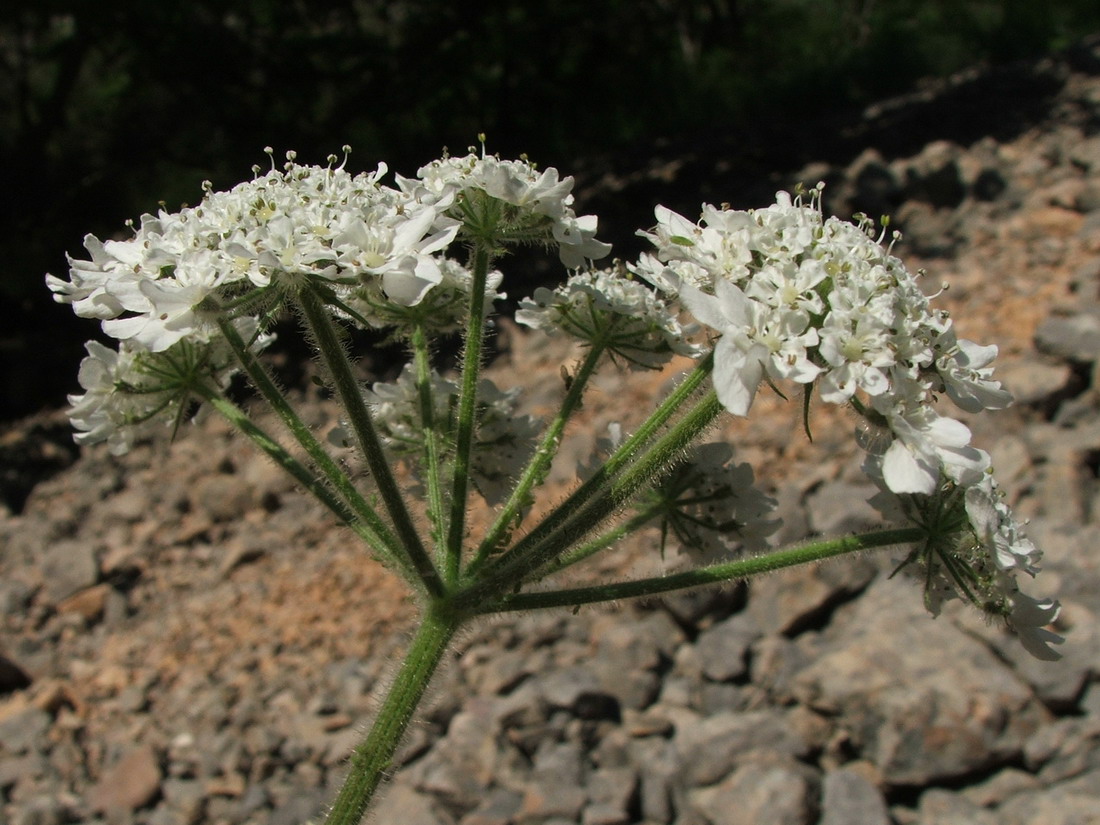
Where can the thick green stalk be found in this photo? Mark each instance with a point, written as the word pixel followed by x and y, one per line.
pixel 729 571
pixel 351 398
pixel 374 756
pixel 430 427
pixel 335 476
pixel 541 547
pixel 467 409
pixel 536 467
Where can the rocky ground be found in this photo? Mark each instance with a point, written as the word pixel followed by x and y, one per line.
pixel 187 639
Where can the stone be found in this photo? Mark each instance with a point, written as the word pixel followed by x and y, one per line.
pixel 499 807
pixel 923 700
pixel 840 507
pixel 131 783
pixel 716 745
pixel 760 794
pixel 723 647
pixel 849 798
pixel 938 807
pixel 1075 338
pixel 404 804
pixel 67 567
pixel 42 810
pixel 23 728
pixel 88 603
pixel 1075 802
pixel 790 601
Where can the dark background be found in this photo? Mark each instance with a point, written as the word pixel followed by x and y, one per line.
pixel 109 107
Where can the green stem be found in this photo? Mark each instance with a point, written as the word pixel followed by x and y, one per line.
pixel 627 452
pixel 594 546
pixel 536 467
pixel 467 407
pixel 335 476
pixel 540 547
pixel 729 571
pixel 374 756
pixel 347 389
pixel 430 428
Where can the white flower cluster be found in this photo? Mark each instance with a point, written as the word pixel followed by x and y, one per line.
pixel 503 442
pixel 275 230
pixel 377 251
pixel 130 392
pixel 713 507
pixel 820 301
pixel 520 184
pixel 619 313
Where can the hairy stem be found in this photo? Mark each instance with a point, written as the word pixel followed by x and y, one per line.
pixel 331 471
pixel 544 454
pixel 351 398
pixel 467 408
pixel 727 572
pixel 374 756
pixel 430 427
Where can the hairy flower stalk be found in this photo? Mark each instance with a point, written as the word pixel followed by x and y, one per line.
pixel 778 296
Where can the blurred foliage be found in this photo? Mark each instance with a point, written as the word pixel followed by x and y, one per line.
pixel 110 106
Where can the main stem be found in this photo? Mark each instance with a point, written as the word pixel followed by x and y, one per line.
pixel 374 756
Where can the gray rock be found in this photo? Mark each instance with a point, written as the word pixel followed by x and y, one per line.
pixel 658 773
pixel 849 798
pixel 15 595
pixel 561 688
pixel 939 807
pixel 1070 803
pixel 791 600
pixel 761 794
pixel 613 789
pixel 499 807
pixel 1032 379
pixel 42 810
pixel 404 804
pixel 838 507
pixel 715 746
pixel 921 699
pixel 24 730
pixel 1075 338
pixel 131 783
pixel 1001 787
pixel 934 175
pixel 723 647
pixel 68 566
pixel 305 805
pixel 1064 749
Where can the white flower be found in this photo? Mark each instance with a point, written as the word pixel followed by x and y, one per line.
pixel 756 339
pixel 622 314
pixel 1029 618
pixel 504 439
pixel 132 391
pixel 925 447
pixel 967 377
pixel 518 183
pixel 996 528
